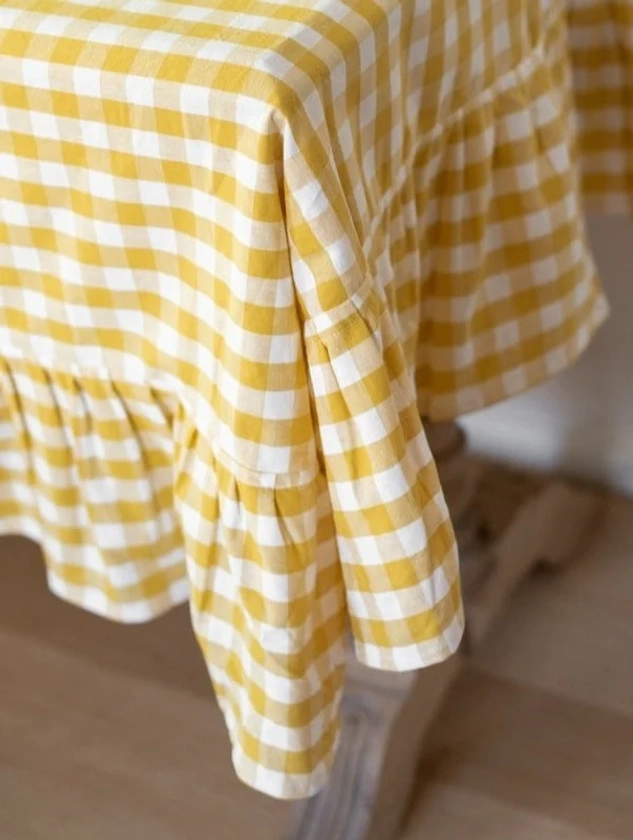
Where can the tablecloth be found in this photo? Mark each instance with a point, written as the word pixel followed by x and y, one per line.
pixel 601 46
pixel 244 246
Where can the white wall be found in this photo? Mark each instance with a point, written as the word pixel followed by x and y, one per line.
pixel 581 422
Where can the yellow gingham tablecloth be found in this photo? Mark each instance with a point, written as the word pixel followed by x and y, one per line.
pixel 601 44
pixel 244 245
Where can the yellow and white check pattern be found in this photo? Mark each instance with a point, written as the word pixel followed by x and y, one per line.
pixel 242 247
pixel 601 41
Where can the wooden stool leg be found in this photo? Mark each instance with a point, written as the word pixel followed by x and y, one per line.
pixel 384 718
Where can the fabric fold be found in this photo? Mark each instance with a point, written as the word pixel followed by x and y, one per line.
pixel 601 54
pixel 394 537
pixel 136 511
pixel 86 470
pixel 268 609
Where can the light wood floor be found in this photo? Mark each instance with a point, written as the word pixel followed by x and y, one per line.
pixel 111 732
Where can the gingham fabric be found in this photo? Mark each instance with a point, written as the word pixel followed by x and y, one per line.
pixel 601 40
pixel 243 246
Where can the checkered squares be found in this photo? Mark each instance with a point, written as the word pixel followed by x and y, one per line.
pixel 243 247
pixel 601 38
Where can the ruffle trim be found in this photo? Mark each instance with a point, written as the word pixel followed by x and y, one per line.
pixel 135 513
pixel 479 249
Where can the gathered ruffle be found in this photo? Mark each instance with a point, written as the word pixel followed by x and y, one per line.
pixel 510 294
pixel 136 513
pixel 86 469
pixel 479 247
pixel 601 49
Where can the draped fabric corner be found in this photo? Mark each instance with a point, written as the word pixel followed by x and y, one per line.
pixel 242 253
